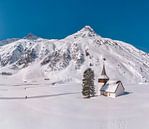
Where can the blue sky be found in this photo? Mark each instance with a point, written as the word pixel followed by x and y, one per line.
pixel 126 20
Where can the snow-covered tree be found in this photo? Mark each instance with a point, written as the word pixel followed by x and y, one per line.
pixel 88 83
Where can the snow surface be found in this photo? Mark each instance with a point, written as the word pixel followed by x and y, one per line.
pixel 61 106
pixel 110 86
pixel 44 90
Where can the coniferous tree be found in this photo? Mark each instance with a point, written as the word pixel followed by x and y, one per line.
pixel 88 83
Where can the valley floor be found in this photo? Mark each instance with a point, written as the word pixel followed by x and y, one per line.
pixel 61 106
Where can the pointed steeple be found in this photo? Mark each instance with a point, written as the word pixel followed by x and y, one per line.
pixel 103 78
pixel 103 70
pixel 103 73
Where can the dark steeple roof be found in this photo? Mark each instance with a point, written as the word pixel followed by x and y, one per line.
pixel 103 73
pixel 103 70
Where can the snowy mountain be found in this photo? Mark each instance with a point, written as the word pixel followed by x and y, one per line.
pixel 3 42
pixel 66 59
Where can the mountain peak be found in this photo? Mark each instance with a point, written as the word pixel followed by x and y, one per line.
pixel 31 36
pixel 85 32
pixel 88 28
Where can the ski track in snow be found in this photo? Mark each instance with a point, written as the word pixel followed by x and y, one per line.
pixel 117 124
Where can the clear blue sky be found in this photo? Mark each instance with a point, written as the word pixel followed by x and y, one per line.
pixel 126 20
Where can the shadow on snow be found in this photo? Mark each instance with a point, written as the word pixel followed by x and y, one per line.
pixel 40 96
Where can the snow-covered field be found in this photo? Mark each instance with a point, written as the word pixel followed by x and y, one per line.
pixel 61 106
pixel 40 83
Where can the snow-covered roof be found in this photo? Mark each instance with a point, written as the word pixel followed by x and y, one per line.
pixel 110 86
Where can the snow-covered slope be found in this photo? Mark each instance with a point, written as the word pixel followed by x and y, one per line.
pixel 4 42
pixel 33 57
